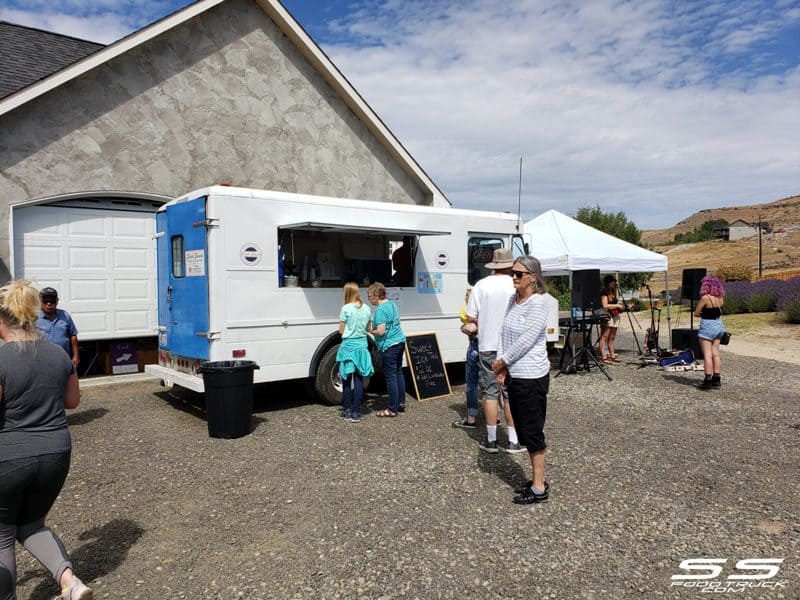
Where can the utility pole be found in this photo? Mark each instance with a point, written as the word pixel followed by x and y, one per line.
pixel 759 247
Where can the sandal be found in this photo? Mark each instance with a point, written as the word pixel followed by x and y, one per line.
pixel 607 361
pixel 614 358
pixel 386 413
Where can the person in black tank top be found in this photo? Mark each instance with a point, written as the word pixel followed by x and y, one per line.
pixel 709 309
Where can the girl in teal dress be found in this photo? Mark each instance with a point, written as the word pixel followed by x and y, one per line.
pixel 353 355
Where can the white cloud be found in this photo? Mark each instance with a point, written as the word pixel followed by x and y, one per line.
pixel 654 107
pixel 103 28
pixel 616 104
pixel 102 21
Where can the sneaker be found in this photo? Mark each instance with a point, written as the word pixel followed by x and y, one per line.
pixel 514 448
pixel 345 414
pixel 464 424
pixel 354 418
pixel 77 590
pixel 529 483
pixel 706 385
pixel 490 447
pixel 716 382
pixel 401 408
pixel 528 496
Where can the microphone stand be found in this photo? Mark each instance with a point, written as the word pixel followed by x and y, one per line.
pixel 630 320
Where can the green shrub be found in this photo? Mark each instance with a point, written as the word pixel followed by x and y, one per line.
pixel 761 302
pixel 564 299
pixel 734 273
pixel 734 304
pixel 792 312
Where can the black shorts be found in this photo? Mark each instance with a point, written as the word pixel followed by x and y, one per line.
pixel 528 400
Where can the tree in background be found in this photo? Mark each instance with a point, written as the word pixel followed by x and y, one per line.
pixel 620 227
pixel 704 233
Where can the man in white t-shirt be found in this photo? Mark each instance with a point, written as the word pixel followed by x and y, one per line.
pixel 487 307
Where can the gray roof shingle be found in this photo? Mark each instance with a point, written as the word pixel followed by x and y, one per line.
pixel 28 55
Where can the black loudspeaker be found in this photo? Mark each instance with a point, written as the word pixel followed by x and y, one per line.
pixel 585 291
pixel 691 283
pixel 686 338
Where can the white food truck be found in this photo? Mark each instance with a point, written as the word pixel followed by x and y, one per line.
pixel 257 275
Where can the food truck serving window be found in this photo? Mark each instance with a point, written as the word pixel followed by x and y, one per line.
pixel 328 254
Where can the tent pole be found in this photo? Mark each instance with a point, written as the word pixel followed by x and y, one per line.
pixel 669 303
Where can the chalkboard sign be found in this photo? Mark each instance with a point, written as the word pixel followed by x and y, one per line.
pixel 427 367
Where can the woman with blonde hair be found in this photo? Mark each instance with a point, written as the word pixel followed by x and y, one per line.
pixel 353 354
pixel 37 382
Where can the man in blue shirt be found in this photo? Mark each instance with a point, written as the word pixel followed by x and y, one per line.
pixel 56 325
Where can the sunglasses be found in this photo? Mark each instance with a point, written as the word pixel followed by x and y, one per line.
pixel 519 274
pixel 49 301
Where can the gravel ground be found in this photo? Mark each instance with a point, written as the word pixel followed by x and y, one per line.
pixel 645 471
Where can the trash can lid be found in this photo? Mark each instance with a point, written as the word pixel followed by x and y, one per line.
pixel 227 366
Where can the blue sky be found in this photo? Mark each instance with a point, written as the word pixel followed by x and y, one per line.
pixel 651 107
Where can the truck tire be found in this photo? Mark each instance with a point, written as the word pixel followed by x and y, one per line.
pixel 327 382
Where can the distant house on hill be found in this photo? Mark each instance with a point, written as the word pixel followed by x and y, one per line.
pixel 739 229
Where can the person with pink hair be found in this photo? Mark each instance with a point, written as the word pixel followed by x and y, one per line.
pixel 709 309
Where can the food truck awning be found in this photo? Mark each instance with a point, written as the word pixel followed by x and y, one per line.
pixel 354 228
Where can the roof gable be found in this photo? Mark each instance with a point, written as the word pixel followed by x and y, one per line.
pixel 30 55
pixel 292 30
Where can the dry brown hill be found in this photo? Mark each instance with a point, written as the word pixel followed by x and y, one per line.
pixel 780 255
pixel 779 214
pixel 780 250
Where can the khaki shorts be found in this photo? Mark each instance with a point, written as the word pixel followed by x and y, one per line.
pixel 488 386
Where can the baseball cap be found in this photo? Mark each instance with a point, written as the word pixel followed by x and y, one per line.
pixel 48 292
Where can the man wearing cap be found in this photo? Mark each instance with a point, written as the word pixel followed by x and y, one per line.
pixel 56 325
pixel 487 307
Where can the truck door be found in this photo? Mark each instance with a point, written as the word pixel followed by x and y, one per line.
pixel 183 279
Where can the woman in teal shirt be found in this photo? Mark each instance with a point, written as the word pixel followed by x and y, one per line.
pixel 391 342
pixel 353 354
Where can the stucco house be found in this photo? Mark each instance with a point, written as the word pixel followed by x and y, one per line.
pixel 740 229
pixel 94 138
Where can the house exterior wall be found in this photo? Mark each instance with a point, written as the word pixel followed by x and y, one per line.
pixel 224 97
pixel 739 232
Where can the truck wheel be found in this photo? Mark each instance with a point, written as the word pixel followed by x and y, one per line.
pixel 327 382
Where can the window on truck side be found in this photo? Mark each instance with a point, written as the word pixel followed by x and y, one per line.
pixel 178 268
pixel 519 246
pixel 479 252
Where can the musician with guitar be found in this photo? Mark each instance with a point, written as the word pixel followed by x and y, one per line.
pixel 609 300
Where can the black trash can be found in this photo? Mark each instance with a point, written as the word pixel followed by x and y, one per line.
pixel 229 397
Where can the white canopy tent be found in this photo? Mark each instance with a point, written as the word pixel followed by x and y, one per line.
pixel 563 245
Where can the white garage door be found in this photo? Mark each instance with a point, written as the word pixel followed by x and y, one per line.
pixel 101 260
